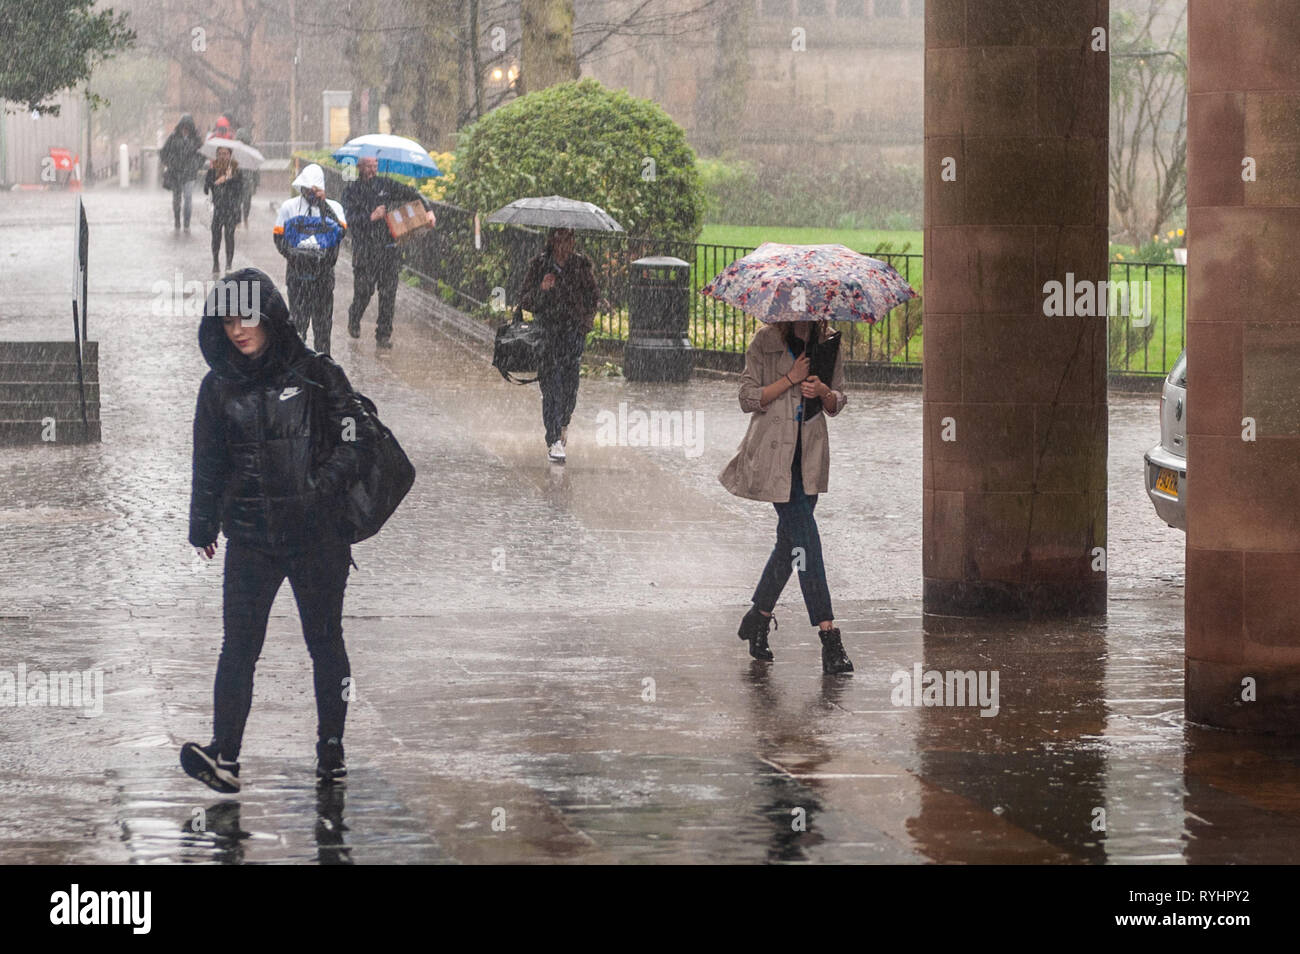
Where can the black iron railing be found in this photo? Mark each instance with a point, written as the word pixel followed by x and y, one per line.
pixel 479 270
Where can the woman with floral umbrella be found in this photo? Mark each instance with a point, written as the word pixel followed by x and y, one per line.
pixel 784 458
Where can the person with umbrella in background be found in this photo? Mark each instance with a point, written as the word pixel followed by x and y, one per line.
pixel 226 184
pixel 309 230
pixel 376 258
pixel 784 458
pixel 559 289
pixel 181 164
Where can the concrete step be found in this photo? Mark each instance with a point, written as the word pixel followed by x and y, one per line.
pixel 46 371
pixel 59 410
pixel 52 352
pixel 39 392
pixel 17 433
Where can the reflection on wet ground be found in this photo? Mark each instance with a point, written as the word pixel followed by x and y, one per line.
pixel 545 657
pixel 283 819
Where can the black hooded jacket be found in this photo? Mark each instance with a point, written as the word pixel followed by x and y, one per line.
pixel 180 154
pixel 259 474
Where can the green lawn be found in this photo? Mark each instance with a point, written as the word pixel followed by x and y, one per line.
pixel 1167 330
pixel 860 240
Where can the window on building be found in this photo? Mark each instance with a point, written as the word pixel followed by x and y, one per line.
pixel 851 9
pixel 813 8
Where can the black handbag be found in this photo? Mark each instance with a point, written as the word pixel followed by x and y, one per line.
pixel 371 500
pixel 518 347
pixel 389 474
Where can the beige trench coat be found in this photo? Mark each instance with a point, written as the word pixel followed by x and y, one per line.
pixel 761 468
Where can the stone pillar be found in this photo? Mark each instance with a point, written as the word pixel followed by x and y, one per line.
pixel 1016 109
pixel 1243 358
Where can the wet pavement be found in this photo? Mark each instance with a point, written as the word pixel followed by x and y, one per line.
pixel 545 656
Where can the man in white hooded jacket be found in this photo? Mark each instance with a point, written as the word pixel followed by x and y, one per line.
pixel 309 229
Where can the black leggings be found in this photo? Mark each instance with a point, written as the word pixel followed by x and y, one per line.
pixel 218 227
pixel 252 579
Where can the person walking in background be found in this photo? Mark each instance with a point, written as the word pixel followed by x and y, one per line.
pixel 309 230
pixel 376 259
pixel 181 164
pixel 785 460
pixel 559 289
pixel 220 129
pixel 226 184
pixel 252 177
pixel 269 470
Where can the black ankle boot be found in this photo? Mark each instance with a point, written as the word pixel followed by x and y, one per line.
pixel 753 627
pixel 834 659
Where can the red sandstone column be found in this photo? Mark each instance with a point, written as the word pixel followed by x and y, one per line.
pixel 1243 346
pixel 1016 106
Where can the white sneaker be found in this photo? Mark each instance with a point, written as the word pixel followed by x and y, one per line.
pixel 556 453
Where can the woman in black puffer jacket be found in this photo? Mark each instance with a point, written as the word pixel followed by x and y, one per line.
pixel 268 471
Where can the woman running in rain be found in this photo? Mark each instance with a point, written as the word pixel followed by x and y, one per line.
pixel 785 460
pixel 268 470
pixel 226 184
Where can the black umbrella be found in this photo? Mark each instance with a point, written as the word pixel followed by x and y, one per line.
pixel 555 212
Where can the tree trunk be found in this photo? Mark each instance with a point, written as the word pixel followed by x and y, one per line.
pixel 547 55
pixel 475 60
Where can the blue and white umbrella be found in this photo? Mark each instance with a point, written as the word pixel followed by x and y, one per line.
pixel 396 154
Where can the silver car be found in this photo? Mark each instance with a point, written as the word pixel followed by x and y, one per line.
pixel 1166 470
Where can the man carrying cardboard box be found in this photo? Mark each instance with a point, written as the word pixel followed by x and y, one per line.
pixel 376 257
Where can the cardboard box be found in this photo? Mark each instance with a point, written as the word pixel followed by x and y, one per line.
pixel 407 221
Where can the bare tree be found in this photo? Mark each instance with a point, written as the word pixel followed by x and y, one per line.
pixel 1148 117
pixel 546 52
pixel 212 43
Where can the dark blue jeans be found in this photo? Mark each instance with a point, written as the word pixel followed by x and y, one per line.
pixel 558 377
pixel 253 577
pixel 796 528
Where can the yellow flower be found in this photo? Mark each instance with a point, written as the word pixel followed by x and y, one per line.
pixel 1120 256
pixel 1155 238
pixel 1171 233
pixel 1180 233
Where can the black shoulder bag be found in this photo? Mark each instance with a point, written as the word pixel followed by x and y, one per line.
pixel 385 480
pixel 518 348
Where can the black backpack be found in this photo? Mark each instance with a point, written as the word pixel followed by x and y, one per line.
pixel 518 348
pixel 371 500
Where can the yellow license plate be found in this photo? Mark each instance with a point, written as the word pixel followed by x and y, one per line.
pixel 1167 482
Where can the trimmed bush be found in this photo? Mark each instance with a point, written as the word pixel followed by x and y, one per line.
pixel 586 142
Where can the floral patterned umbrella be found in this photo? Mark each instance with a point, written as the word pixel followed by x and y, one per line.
pixel 809 283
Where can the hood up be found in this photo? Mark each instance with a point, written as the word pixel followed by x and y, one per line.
pixel 248 292
pixel 311 177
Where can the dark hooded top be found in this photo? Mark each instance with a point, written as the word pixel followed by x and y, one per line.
pixel 569 304
pixel 180 153
pixel 269 454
